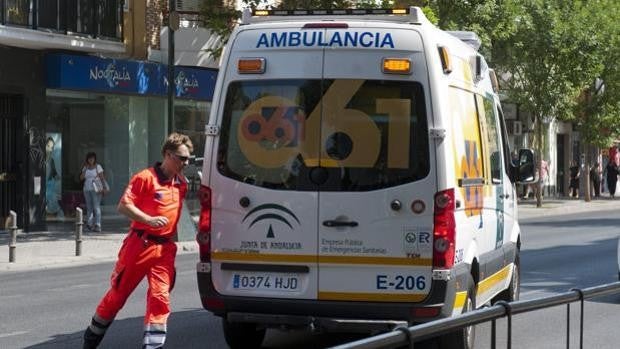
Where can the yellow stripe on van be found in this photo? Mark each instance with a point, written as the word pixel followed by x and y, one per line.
pixel 291 258
pixel 262 257
pixel 459 299
pixel 374 297
pixel 492 280
pixel 375 260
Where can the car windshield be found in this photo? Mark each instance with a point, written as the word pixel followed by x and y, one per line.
pixel 328 135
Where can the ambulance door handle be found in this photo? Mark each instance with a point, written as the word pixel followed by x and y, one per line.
pixel 505 196
pixel 332 223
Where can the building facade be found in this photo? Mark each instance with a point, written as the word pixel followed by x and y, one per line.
pixel 74 78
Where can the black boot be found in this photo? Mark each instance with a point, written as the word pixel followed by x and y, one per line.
pixel 91 339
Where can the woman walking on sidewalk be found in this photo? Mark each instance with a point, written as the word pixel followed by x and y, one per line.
pixel 90 171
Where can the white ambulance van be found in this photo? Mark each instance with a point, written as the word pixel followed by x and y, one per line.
pixel 357 176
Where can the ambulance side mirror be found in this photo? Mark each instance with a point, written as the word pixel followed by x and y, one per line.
pixel 525 166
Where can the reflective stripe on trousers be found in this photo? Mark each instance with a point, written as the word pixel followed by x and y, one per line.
pixel 154 336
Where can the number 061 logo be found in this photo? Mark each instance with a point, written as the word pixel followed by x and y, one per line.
pixel 273 130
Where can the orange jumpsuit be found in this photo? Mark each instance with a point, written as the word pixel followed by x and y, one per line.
pixel 146 251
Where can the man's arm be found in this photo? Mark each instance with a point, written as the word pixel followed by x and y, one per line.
pixel 134 213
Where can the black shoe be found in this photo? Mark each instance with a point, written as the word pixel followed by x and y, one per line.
pixel 91 339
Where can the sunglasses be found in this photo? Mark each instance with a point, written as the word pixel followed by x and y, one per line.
pixel 181 157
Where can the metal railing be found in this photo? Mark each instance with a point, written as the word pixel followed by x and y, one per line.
pixel 409 335
pixel 97 19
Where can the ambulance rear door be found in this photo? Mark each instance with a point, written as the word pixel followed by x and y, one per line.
pixel 264 219
pixel 377 180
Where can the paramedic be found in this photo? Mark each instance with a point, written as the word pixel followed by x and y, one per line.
pixel 152 200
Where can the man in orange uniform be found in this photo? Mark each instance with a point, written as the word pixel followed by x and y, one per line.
pixel 153 201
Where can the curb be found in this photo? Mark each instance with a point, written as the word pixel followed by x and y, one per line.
pixel 39 255
pixel 564 207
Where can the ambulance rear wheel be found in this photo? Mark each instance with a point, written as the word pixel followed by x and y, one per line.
pixel 243 335
pixel 511 294
pixel 465 337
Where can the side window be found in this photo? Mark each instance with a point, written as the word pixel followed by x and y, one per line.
pixel 509 157
pixel 491 138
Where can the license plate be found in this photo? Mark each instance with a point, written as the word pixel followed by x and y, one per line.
pixel 266 282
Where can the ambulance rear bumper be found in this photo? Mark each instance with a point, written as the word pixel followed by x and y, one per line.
pixel 329 314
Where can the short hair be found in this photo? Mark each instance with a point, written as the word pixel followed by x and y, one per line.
pixel 174 141
pixel 91 155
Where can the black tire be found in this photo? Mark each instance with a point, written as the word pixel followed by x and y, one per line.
pixel 465 337
pixel 240 335
pixel 511 294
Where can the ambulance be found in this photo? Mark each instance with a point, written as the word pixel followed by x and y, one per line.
pixel 357 177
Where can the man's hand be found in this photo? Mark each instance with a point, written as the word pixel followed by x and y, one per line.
pixel 157 222
pixel 134 213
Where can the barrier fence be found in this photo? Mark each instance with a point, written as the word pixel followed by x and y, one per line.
pixel 407 336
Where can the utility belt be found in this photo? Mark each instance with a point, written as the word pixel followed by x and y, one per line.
pixel 153 238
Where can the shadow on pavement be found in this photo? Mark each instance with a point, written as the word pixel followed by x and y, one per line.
pixel 127 333
pixel 544 268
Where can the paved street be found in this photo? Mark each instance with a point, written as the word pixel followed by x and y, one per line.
pixel 57 247
pixel 48 305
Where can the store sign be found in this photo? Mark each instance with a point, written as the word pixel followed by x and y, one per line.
pixel 192 83
pixel 111 75
pixel 88 73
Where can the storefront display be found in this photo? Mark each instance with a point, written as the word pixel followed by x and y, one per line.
pixel 117 109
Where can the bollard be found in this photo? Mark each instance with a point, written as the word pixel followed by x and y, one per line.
pixel 78 231
pixel 13 235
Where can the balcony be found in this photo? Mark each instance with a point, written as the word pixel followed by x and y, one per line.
pixel 82 25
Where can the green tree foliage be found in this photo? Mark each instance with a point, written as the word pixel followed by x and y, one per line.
pixel 493 21
pixel 220 17
pixel 597 113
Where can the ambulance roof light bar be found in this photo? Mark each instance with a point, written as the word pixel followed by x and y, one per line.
pixel 408 15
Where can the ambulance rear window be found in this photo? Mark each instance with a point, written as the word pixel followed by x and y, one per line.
pixel 328 135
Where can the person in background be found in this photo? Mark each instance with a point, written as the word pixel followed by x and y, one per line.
pixel 543 176
pixel 90 171
pixel 573 185
pixel 153 201
pixel 595 178
pixel 611 174
pixel 52 181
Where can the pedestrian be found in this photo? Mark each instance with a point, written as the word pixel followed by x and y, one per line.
pixel 573 185
pixel 91 170
pixel 153 201
pixel 595 178
pixel 543 174
pixel 611 173
pixel 52 180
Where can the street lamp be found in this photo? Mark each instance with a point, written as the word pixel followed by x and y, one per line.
pixel 173 25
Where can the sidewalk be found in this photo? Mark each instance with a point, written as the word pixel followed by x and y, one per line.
pixel 56 248
pixel 565 206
